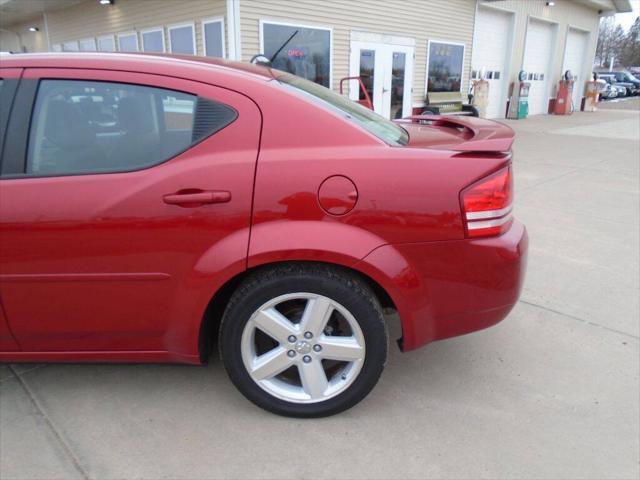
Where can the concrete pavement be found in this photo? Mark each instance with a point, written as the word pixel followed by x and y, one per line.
pixel 551 392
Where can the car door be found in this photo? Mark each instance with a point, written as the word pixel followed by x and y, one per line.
pixel 114 186
pixel 9 78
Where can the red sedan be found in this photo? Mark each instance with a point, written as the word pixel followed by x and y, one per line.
pixel 151 207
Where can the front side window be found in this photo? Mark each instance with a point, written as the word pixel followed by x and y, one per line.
pixel 307 55
pixel 98 127
pixel 376 124
pixel 445 67
pixel 182 39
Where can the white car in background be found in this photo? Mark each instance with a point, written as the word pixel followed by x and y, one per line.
pixel 607 92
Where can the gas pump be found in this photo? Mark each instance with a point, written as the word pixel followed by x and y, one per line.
pixel 592 94
pixel 564 98
pixel 519 97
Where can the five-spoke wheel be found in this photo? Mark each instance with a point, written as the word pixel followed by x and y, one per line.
pixel 303 347
pixel 304 340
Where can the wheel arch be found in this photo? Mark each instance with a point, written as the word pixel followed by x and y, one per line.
pixel 210 323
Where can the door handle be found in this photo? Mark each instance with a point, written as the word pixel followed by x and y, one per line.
pixel 196 198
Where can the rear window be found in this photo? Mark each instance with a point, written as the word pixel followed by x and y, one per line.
pixel 97 127
pixel 376 124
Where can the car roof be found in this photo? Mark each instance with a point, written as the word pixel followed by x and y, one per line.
pixel 185 66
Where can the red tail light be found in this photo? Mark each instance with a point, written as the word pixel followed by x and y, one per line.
pixel 487 204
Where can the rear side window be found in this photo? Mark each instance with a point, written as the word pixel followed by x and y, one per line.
pixel 99 127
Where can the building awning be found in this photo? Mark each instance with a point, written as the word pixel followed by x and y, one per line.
pixel 17 11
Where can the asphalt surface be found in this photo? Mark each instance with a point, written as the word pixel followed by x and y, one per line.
pixel 551 392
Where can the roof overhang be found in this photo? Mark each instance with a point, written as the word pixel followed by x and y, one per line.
pixel 608 7
pixel 603 7
pixel 18 11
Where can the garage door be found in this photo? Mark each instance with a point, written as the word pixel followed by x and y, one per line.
pixel 490 49
pixel 537 61
pixel 574 58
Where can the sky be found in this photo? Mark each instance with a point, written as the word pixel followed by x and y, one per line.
pixel 627 19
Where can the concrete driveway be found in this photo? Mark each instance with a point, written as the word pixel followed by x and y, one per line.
pixel 552 392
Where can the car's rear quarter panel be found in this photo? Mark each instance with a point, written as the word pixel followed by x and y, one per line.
pixel 404 194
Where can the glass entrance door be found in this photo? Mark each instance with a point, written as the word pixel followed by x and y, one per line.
pixel 387 72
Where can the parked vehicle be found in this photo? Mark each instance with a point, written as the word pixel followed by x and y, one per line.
pixel 623 88
pixel 628 78
pixel 607 91
pixel 151 207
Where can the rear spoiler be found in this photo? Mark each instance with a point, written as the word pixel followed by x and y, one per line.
pixel 483 135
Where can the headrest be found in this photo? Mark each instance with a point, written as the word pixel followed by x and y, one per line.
pixel 66 128
pixel 135 115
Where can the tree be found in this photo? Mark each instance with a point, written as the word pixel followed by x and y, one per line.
pixel 614 44
pixel 630 49
pixel 604 45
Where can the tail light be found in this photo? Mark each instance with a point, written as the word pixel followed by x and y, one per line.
pixel 486 204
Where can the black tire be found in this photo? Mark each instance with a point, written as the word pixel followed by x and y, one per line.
pixel 335 283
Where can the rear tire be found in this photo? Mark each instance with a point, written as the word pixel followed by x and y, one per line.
pixel 304 340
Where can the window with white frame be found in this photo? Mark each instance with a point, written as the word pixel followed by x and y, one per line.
pixel 213 37
pixel 128 42
pixel 70 46
pixel 182 39
pixel 56 47
pixel 308 53
pixel 444 70
pixel 87 45
pixel 107 43
pixel 153 40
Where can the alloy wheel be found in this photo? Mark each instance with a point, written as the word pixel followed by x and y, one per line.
pixel 303 347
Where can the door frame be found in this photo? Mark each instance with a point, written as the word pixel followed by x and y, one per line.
pixel 386 44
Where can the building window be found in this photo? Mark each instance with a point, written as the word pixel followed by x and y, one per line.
pixel 70 47
pixel 445 67
pixel 56 47
pixel 106 44
pixel 153 40
pixel 128 42
pixel 213 37
pixel 182 39
pixel 88 45
pixel 307 55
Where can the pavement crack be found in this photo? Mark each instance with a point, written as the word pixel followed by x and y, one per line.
pixel 65 446
pixel 588 322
